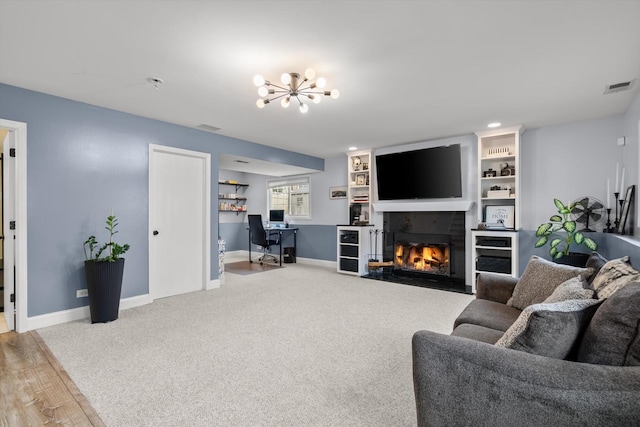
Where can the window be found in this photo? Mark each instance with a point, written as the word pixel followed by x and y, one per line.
pixel 292 195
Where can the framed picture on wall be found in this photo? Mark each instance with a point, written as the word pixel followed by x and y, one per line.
pixel 626 206
pixel 338 192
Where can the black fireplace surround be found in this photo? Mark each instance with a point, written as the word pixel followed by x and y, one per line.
pixel 432 252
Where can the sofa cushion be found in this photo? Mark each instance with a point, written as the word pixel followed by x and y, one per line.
pixel 489 314
pixel 540 279
pixel 595 261
pixel 549 329
pixel 613 276
pixel 477 333
pixel 574 288
pixel 613 336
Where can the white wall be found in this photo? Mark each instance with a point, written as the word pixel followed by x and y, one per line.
pixel 568 162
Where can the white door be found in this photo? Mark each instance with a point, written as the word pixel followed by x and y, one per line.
pixel 179 218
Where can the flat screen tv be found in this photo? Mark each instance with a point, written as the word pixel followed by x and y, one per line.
pixel 430 173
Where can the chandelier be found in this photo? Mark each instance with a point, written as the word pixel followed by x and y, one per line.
pixel 294 88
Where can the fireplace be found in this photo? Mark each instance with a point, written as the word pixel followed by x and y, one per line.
pixel 424 249
pixel 425 253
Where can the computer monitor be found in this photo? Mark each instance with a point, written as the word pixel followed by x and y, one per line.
pixel 276 216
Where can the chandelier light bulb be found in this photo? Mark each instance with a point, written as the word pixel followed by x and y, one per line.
pixel 258 80
pixel 263 91
pixel 304 108
pixel 309 74
pixel 317 99
pixel 285 102
pixel 335 93
pixel 321 82
pixel 260 103
pixel 285 78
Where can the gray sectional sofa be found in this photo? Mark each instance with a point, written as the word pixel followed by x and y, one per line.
pixel 573 361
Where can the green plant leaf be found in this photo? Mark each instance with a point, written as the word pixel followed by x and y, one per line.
pixel 570 226
pixel 553 251
pixel 558 255
pixel 555 242
pixel 565 211
pixel 556 227
pixel 559 205
pixel 556 218
pixel 543 230
pixel 588 242
pixel 541 241
pixel 578 237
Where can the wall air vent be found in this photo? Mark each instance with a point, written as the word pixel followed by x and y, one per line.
pixel 241 161
pixel 208 128
pixel 618 87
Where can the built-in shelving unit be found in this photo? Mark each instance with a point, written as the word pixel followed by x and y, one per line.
pixel 359 176
pixel 495 249
pixel 353 249
pixel 232 202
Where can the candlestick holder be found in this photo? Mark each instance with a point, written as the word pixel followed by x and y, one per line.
pixel 609 228
pixel 616 220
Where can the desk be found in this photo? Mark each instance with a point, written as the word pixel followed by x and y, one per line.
pixel 281 231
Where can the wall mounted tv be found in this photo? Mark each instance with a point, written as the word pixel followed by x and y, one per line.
pixel 430 173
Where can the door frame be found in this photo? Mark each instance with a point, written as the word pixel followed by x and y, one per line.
pixel 206 214
pixel 18 131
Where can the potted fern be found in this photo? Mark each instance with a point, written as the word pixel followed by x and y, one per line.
pixel 561 233
pixel 104 270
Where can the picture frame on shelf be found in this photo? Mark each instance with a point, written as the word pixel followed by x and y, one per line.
pixel 626 206
pixel 504 215
pixel 361 179
pixel 338 192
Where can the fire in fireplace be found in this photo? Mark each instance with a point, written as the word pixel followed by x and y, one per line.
pixel 422 257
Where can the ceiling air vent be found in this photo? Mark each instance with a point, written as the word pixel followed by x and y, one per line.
pixel 618 87
pixel 208 128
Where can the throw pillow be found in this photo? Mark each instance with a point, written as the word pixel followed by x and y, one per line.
pixel 574 288
pixel 613 336
pixel 614 275
pixel 549 329
pixel 595 261
pixel 540 279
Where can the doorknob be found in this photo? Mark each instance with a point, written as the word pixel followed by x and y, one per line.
pixel 155 232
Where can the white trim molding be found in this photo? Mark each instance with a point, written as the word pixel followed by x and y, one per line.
pixel 79 313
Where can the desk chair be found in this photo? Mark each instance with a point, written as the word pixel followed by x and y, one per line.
pixel 260 238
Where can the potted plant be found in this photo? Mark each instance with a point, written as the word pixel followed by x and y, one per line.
pixel 104 274
pixel 560 232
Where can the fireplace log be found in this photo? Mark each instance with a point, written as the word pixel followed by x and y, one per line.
pixel 377 264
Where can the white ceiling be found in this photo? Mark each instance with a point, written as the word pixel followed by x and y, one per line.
pixel 407 71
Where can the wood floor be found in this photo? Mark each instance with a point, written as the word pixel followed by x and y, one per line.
pixel 35 389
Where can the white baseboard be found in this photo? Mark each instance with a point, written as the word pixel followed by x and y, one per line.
pixel 213 284
pixel 64 316
pixel 299 260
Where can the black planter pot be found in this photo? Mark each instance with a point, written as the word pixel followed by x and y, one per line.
pixel 104 285
pixel 574 259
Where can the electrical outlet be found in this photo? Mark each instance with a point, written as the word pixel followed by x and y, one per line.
pixel 621 141
pixel 81 293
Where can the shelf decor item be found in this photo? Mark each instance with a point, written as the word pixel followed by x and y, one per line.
pixel 561 233
pixel 500 216
pixel 104 274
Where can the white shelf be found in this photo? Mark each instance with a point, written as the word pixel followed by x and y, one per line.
pixel 504 257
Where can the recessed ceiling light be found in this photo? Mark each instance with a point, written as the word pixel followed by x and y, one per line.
pixel 353 148
pixel 494 125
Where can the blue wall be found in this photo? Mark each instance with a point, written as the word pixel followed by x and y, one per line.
pixel 82 162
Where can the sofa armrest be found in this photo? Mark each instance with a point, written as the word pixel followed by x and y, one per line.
pixel 458 381
pixel 495 287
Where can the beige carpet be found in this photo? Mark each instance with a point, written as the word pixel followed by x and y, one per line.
pixel 246 267
pixel 294 346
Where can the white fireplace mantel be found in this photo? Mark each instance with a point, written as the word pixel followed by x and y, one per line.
pixel 431 206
